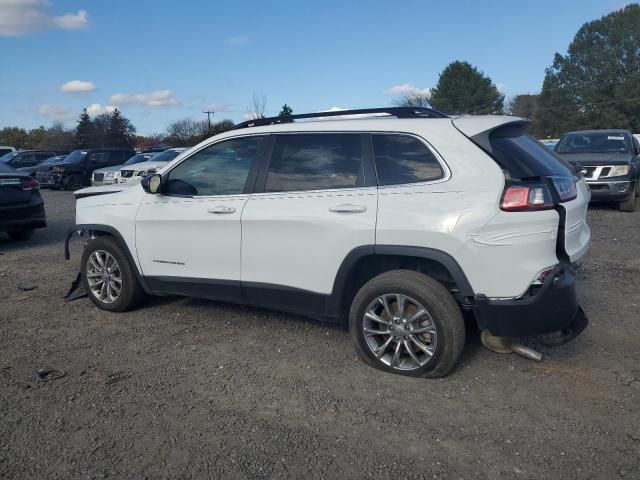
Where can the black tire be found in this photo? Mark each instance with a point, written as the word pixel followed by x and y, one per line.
pixel 629 205
pixel 131 293
pixel 442 307
pixel 73 182
pixel 21 234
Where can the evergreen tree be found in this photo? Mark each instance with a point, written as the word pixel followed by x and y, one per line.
pixel 85 131
pixel 462 88
pixel 120 133
pixel 597 83
pixel 286 111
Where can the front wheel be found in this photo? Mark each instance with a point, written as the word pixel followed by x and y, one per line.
pixel 108 277
pixel 407 323
pixel 73 182
pixel 629 205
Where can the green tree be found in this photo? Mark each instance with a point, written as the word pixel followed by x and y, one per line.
pixel 462 88
pixel 286 111
pixel 525 106
pixel 120 132
pixel 597 83
pixel 14 137
pixel 85 131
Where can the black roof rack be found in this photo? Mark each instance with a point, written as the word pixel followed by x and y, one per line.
pixel 398 112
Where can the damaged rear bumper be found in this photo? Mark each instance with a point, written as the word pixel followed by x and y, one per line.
pixel 552 311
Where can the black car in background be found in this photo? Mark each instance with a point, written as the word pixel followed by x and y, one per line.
pixel 28 158
pixel 21 205
pixel 609 160
pixel 75 170
pixel 41 167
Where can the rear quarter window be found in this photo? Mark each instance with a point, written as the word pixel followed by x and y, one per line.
pixel 403 159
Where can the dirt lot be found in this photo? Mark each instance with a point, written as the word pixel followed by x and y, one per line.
pixel 189 389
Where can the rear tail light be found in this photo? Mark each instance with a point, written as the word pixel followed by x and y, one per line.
pixel 566 188
pixel 526 198
pixel 58 169
pixel 29 184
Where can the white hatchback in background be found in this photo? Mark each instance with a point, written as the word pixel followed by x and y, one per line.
pixel 394 225
pixel 132 174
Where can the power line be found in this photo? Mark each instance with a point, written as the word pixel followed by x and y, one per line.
pixel 209 113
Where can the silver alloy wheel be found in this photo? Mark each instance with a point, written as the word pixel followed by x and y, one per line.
pixel 400 331
pixel 104 276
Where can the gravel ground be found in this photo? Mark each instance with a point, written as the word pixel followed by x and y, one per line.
pixel 185 388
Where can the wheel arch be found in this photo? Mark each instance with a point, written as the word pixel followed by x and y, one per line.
pixel 365 262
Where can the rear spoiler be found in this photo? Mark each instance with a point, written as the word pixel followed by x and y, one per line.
pixel 478 129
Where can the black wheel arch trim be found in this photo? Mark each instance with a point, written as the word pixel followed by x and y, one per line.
pixel 90 227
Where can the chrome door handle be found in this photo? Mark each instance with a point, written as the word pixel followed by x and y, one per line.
pixel 222 210
pixel 348 208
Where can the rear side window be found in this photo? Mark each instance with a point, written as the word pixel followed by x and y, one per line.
pixel 404 159
pixel 315 162
pixel 521 156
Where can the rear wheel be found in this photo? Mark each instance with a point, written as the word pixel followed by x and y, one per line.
pixel 73 182
pixel 108 277
pixel 21 234
pixel 407 323
pixel 629 205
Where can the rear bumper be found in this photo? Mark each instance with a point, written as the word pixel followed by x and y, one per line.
pixel 554 307
pixel 23 217
pixel 49 179
pixel 611 191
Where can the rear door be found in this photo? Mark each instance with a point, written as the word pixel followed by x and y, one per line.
pixel 314 203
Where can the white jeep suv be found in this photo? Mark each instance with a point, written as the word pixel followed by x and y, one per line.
pixel 394 224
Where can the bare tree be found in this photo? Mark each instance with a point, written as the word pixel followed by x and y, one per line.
pixel 414 100
pixel 258 106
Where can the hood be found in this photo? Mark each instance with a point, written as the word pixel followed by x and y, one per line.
pixel 591 159
pixel 94 191
pixel 108 169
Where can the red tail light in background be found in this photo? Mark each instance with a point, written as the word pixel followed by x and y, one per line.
pixel 29 184
pixel 526 198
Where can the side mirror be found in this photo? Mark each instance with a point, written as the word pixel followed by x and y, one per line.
pixel 152 183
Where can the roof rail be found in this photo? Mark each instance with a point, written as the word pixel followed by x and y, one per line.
pixel 398 112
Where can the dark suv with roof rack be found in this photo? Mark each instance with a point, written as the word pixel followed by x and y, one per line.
pixel 609 160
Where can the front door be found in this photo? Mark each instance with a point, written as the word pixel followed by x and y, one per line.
pixel 188 237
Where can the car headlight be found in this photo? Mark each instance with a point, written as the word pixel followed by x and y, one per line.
pixel 619 170
pixel 110 175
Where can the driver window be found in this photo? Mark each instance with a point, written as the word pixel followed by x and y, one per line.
pixel 221 169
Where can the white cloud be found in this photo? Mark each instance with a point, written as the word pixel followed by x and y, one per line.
pixel 158 98
pixel 237 40
pixel 58 112
pixel 22 17
pixel 408 89
pixel 217 107
pixel 96 109
pixel 78 86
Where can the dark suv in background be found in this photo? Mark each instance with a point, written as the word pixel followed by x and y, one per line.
pixel 75 170
pixel 609 160
pixel 29 158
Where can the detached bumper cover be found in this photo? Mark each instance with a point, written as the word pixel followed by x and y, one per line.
pixel 553 308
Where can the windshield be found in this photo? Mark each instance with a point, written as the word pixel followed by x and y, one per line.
pixel 593 143
pixel 140 157
pixel 166 156
pixel 8 156
pixel 75 156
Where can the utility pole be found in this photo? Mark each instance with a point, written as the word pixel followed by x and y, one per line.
pixel 209 114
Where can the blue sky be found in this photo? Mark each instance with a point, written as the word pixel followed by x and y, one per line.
pixel 162 60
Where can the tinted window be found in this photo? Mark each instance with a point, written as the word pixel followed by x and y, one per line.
pixel 521 155
pixel 221 169
pixel 315 162
pixel 75 156
pixel 593 143
pixel 404 159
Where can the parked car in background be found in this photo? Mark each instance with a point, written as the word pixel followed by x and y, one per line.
pixel 609 160
pixel 21 205
pixel 28 158
pixel 109 175
pixel 75 170
pixel 41 167
pixel 134 173
pixel 394 225
pixel 4 150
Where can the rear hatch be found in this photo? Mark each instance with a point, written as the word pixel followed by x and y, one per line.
pixel 527 164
